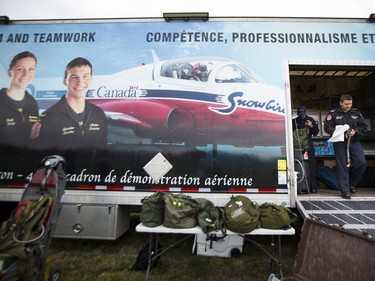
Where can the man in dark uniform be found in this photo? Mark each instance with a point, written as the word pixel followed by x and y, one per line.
pixel 73 126
pixel 349 155
pixel 308 123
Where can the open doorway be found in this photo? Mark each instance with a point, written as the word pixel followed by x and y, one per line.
pixel 319 85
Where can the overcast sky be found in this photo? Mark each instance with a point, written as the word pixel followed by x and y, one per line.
pixel 76 9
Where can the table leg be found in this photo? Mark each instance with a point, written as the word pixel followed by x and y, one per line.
pixel 274 254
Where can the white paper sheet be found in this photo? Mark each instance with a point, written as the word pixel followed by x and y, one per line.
pixel 339 133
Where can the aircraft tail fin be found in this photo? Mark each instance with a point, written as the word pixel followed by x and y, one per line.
pixel 155 57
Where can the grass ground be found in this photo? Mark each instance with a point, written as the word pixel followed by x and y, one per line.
pixel 112 260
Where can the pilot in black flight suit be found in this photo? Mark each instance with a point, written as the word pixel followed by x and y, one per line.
pixel 348 172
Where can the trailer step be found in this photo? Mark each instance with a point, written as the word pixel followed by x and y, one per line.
pixel 357 214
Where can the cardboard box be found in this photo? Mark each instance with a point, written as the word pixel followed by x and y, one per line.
pixel 330 163
pixel 224 246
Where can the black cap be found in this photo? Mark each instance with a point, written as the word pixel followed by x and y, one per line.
pixel 301 110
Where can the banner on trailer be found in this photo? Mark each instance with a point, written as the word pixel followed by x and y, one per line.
pixel 208 96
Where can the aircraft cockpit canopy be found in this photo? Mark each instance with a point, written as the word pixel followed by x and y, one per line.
pixel 187 70
pixel 200 70
pixel 233 73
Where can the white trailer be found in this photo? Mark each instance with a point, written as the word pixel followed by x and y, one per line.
pixel 212 100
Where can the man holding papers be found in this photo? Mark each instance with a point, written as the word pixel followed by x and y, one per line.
pixel 345 124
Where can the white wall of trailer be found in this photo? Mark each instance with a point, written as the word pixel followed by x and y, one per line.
pixel 113 9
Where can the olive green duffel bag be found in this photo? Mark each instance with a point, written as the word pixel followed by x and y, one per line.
pixel 180 211
pixel 152 213
pixel 276 216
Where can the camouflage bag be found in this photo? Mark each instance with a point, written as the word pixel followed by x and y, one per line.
pixel 25 227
